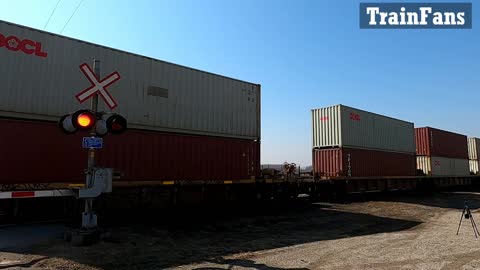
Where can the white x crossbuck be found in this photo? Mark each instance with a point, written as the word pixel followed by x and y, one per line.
pixel 98 86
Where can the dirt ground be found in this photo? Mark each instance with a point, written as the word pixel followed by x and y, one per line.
pixel 389 232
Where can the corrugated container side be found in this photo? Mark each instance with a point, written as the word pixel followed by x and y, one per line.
pixel 342 126
pixel 152 94
pixel 473 164
pixel 37 152
pixel 362 129
pixel 329 163
pixel 441 166
pixel 424 164
pixel 326 123
pixel 344 162
pixel 422 142
pixel 473 148
pixel 440 143
pixel 278 167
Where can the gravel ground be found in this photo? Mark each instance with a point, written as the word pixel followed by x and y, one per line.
pixel 399 232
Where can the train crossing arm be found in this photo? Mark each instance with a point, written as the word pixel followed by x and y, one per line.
pixel 36 194
pixel 102 183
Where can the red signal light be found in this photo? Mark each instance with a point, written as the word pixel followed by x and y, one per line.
pixel 116 124
pixel 84 119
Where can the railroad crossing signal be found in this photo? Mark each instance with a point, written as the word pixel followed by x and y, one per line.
pixel 98 86
pixel 85 120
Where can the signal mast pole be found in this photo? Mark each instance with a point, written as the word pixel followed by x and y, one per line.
pixel 94 107
pixel 89 219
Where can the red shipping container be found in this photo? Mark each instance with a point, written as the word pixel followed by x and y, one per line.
pixel 343 162
pixel 440 143
pixel 38 152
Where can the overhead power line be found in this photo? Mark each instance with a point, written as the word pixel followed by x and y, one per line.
pixel 53 11
pixel 79 3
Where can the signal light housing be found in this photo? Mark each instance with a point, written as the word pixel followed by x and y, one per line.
pixel 101 128
pixel 116 124
pixel 66 124
pixel 86 120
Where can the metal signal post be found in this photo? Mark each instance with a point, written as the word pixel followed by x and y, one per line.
pixel 93 107
pixel 89 219
pixel 97 124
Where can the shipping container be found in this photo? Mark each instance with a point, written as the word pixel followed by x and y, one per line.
pixel 473 164
pixel 350 162
pixel 278 167
pixel 473 148
pixel 40 77
pixel 440 143
pixel 360 185
pixel 38 152
pixel 442 166
pixel 342 126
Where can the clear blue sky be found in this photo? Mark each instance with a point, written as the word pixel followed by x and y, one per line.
pixel 305 54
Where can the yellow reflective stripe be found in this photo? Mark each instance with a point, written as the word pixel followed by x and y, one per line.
pixel 246 181
pixel 168 182
pixel 76 185
pixel 228 182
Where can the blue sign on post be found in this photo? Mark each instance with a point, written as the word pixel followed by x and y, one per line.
pixel 92 142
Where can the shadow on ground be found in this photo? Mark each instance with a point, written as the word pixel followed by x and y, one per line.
pixel 228 264
pixel 446 199
pixel 184 236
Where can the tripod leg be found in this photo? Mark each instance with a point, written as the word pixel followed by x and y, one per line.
pixel 460 221
pixel 475 224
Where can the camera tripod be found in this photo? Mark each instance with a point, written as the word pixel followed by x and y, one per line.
pixel 468 215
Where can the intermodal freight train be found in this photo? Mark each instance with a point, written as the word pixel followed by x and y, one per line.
pixel 191 131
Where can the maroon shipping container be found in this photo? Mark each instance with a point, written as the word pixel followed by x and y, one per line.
pixel 440 143
pixel 38 152
pixel 336 162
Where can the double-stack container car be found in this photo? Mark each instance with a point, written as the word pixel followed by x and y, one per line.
pixel 349 142
pixel 441 153
pixel 185 125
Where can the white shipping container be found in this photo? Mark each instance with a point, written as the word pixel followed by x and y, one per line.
pixel 342 126
pixel 40 77
pixel 473 165
pixel 278 167
pixel 441 166
pixel 473 148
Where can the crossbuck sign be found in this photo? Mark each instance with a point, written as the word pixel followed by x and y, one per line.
pixel 98 86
